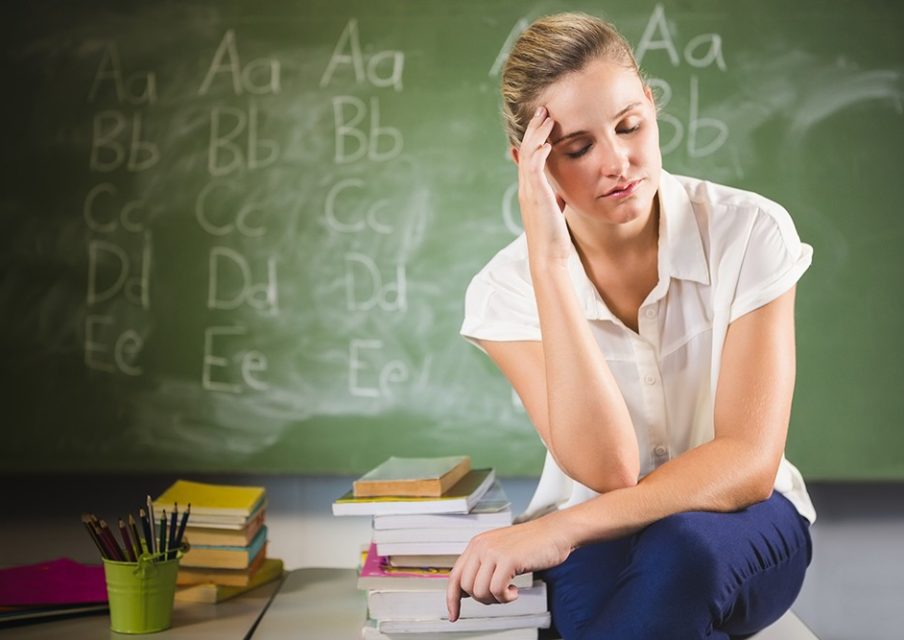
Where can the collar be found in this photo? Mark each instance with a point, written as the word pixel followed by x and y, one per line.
pixel 681 252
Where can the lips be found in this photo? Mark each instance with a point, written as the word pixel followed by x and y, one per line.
pixel 623 188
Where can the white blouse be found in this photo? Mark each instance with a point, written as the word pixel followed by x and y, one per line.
pixel 723 252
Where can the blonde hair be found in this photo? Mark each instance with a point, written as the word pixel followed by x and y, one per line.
pixel 548 49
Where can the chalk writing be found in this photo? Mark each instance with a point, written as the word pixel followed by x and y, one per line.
pixel 259 77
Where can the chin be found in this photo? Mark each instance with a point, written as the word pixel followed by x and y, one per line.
pixel 628 211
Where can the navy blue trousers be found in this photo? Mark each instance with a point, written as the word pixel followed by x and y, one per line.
pixel 690 575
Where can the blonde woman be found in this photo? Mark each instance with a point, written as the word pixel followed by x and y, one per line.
pixel 647 322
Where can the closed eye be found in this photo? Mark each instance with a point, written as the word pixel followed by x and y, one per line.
pixel 579 152
pixel 628 130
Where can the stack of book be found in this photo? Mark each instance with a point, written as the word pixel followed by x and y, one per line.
pixel 227 540
pixel 424 513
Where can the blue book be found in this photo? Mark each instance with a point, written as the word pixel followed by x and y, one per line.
pixel 225 557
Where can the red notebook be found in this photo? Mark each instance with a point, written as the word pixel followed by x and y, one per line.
pixel 60 581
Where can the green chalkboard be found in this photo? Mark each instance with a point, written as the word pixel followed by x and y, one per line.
pixel 236 236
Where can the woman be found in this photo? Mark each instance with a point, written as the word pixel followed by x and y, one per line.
pixel 647 323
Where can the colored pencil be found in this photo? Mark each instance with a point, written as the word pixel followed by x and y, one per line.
pixel 171 542
pixel 162 549
pixel 111 542
pixel 148 529
pixel 136 537
pixel 108 551
pixel 153 520
pixel 182 526
pixel 86 520
pixel 126 541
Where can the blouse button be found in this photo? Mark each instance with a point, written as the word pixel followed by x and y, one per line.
pixel 660 451
pixel 650 312
pixel 649 379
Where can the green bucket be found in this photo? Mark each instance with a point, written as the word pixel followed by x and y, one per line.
pixel 141 594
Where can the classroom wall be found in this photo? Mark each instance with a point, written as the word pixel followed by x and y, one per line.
pixel 792 97
pixel 854 588
pixel 259 267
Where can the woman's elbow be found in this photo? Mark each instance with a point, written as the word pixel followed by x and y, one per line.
pixel 763 488
pixel 601 473
pixel 625 479
pixel 757 489
pixel 610 478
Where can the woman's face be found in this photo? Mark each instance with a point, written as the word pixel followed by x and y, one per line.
pixel 605 161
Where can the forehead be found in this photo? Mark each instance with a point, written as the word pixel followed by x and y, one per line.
pixel 600 87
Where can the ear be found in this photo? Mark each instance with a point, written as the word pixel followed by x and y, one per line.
pixel 648 92
pixel 513 151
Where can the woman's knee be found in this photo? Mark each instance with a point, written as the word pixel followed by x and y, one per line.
pixel 682 553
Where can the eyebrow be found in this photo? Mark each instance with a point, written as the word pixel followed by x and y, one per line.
pixel 618 115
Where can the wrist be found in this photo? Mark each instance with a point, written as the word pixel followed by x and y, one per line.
pixel 544 250
pixel 567 528
pixel 544 265
pixel 605 517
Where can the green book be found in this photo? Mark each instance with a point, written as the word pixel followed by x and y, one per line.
pixel 413 477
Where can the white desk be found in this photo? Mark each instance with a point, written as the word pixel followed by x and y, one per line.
pixel 310 604
pixel 323 604
pixel 233 619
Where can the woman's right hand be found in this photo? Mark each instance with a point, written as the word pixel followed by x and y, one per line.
pixel 541 209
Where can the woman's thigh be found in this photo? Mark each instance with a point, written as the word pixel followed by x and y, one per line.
pixel 580 586
pixel 695 574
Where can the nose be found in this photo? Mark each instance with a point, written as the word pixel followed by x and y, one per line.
pixel 615 159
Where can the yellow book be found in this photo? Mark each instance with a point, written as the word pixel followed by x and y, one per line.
pixel 212 593
pixel 211 499
pixel 227 577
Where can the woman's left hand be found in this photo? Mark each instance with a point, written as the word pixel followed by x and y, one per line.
pixel 492 559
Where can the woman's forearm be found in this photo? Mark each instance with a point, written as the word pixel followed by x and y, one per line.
pixel 722 475
pixel 591 434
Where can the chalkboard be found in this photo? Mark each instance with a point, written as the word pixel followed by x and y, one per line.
pixel 236 236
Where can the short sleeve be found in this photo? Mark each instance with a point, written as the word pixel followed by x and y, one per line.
pixel 774 260
pixel 500 305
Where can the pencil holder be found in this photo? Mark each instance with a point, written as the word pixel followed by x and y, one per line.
pixel 141 593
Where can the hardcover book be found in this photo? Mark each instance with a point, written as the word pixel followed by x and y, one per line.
pixel 218 536
pixel 434 548
pixel 377 573
pixel 211 499
pixel 421 605
pixel 461 498
pixel 210 593
pixel 440 562
pixel 462 625
pixel 413 477
pixel 228 577
pixel 371 632
pixel 493 509
pixel 217 557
